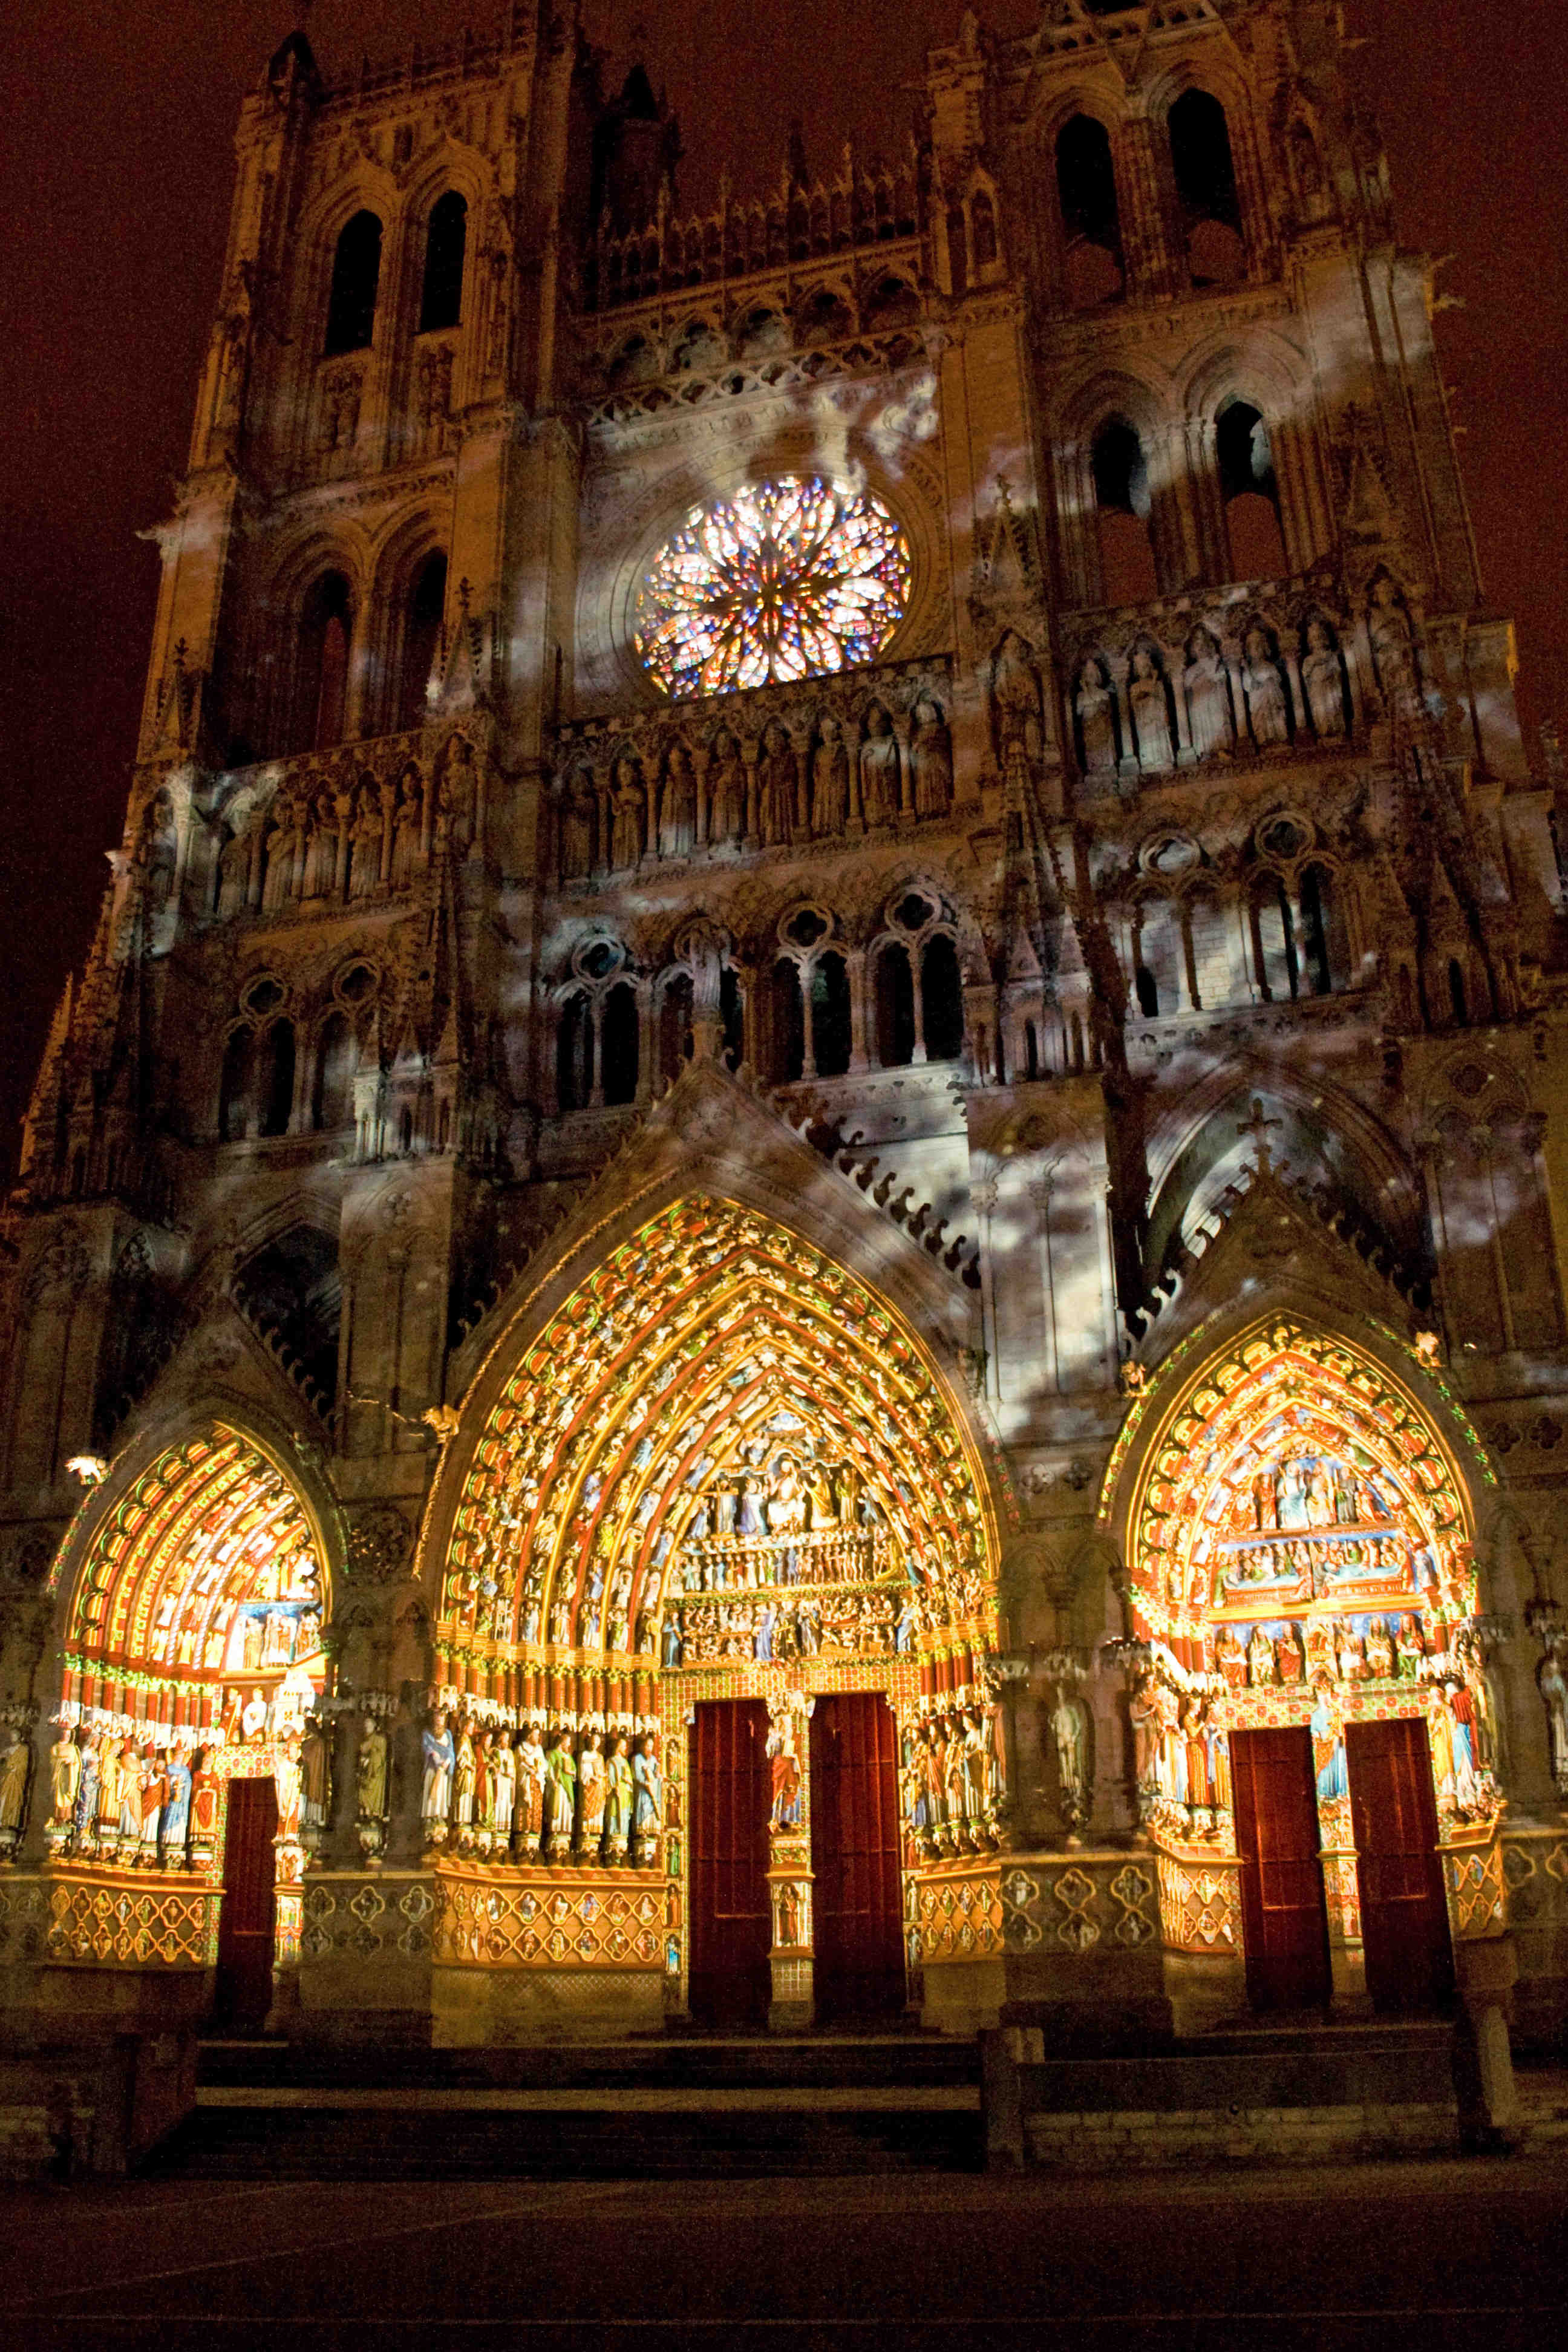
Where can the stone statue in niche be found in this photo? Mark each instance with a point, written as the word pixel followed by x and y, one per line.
pixel 501 1803
pixel 775 788
pixel 1015 702
pixel 65 1780
pixel 591 1795
pixel 315 1779
pixel 1095 707
pixel 322 859
pixel 405 830
pixel 1393 647
pixel 532 1770
pixel 371 1776
pixel 628 801
pixel 1069 1734
pixel 677 804
pixel 618 1785
pixel 1552 1685
pixel 1150 713
pixel 1322 677
pixel 829 781
pixel 560 1795
pixel 727 789
pixel 1265 690
pixel 930 761
pixel 460 796
pixel 440 1760
pixel 579 828
pixel 879 768
pixel 1208 696
pixel 648 1799
pixel 365 867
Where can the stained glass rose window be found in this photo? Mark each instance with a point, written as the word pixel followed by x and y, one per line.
pixel 788 579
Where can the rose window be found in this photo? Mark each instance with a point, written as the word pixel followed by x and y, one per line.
pixel 787 580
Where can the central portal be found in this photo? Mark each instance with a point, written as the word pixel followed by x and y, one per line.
pixel 732 1925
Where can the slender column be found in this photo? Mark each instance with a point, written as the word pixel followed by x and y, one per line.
pixel 791 1958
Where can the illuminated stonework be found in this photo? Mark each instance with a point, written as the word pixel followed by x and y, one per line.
pixel 204 1582
pixel 721 1447
pixel 789 578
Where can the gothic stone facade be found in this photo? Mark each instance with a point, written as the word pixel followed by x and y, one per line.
pixel 1026 1175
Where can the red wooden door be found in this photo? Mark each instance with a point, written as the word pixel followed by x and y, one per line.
pixel 859 1969
pixel 1403 1912
pixel 732 1927
pixel 1284 1918
pixel 248 1919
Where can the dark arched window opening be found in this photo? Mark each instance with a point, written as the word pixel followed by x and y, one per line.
pixel 1205 173
pixel 1456 993
pixel 356 274
pixel 325 627
pixel 1320 943
pixel 1148 990
pixel 619 1046
pixel 895 1008
pixel 788 1021
pixel 983 230
pixel 733 1012
pixel 1031 1051
pixel 278 1078
pixel 1274 945
pixel 441 299
pixel 234 1090
pixel 675 1025
pixel 1251 493
pixel 332 1096
pixel 1091 225
pixel 1124 503
pixel 422 641
pixel 942 999
pixel 575 1053
pixel 830 1016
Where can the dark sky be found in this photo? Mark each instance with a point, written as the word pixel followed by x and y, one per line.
pixel 114 186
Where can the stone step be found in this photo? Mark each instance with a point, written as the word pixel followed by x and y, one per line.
pixel 370 2134
pixel 800 2062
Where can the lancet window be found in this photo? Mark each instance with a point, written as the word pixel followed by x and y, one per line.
pixel 356 278
pixel 446 240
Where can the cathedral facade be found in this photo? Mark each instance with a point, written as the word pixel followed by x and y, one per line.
pixel 797 1249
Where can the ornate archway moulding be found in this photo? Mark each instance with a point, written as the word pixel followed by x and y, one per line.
pixel 721 1443
pixel 200 1574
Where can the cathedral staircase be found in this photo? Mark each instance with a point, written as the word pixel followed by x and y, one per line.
pixel 671 2106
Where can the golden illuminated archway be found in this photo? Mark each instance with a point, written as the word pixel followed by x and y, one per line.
pixel 723 1446
pixel 201 1596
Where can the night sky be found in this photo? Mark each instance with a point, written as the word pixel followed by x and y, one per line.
pixel 114 186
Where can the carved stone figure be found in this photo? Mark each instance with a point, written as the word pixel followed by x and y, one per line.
pixel 315 1779
pixel 1150 713
pixel 726 790
pixel 176 1810
pixel 1208 696
pixel 648 1798
pixel 1393 647
pixel 829 781
pixel 370 1773
pixel 1265 690
pixel 591 1795
pixel 678 805
pixel 1096 708
pixel 406 831
pixel 1069 1732
pixel 930 761
pixel 1552 1685
pixel 1322 677
pixel 364 863
pixel 65 1778
pixel 1015 702
pixel 775 788
pixel 533 1774
pixel 627 802
pixel 579 828
pixel 441 1758
pixel 879 768
pixel 618 1785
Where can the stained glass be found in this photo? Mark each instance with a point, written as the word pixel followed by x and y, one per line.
pixel 787 580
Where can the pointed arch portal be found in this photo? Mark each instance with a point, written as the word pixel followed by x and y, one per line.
pixel 722 1448
pixel 1311 1705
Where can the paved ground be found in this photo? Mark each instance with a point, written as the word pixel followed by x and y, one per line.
pixel 1417 2257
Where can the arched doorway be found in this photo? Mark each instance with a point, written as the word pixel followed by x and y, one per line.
pixel 1314 1730
pixel 193 1670
pixel 722 1541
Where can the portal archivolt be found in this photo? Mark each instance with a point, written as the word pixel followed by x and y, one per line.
pixel 722 1446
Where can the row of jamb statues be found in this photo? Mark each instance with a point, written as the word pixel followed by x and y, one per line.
pixel 767 795
pixel 538 1797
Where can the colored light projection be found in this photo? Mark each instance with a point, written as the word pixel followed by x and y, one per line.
pixel 722 1447
pixel 203 1589
pixel 790 579
pixel 1297 1488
